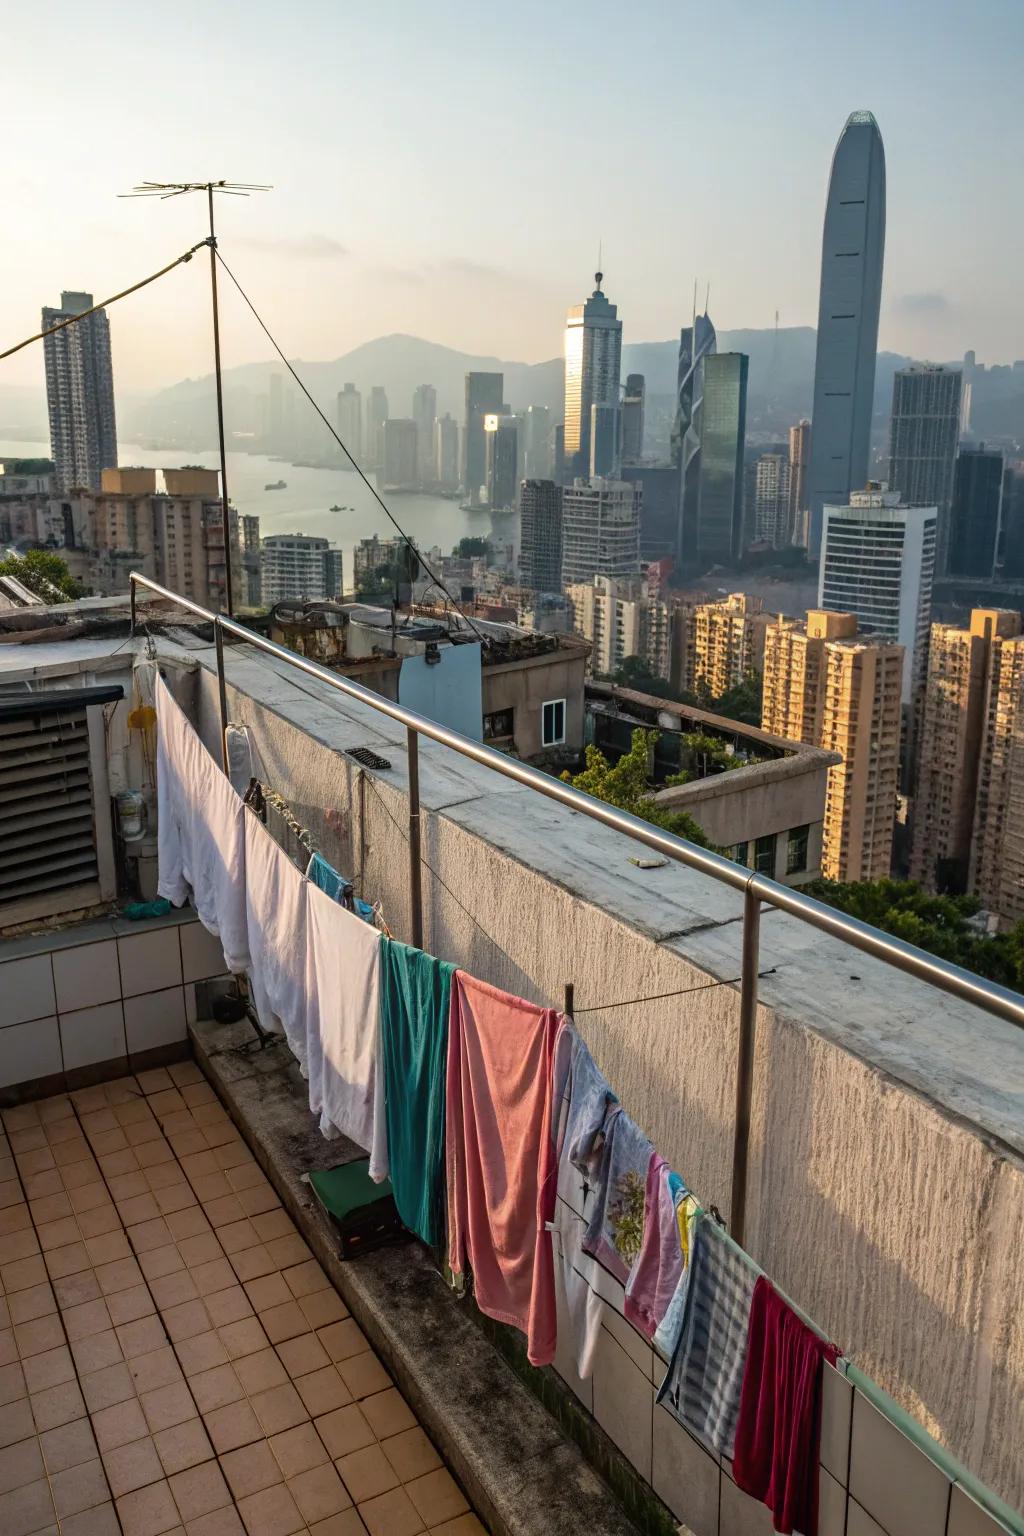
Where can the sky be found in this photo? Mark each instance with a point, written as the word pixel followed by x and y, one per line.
pixel 447 169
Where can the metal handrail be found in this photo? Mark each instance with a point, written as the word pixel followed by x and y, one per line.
pixel 756 888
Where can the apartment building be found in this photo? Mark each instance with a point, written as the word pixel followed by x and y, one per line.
pixel 997 854
pixel 728 641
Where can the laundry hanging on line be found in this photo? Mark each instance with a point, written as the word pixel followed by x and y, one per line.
pixel 327 879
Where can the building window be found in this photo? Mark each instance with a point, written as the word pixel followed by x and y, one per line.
pixel 796 850
pixel 764 855
pixel 553 723
pixel 741 852
pixel 499 725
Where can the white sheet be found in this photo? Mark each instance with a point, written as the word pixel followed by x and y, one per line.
pixel 580 1281
pixel 275 896
pixel 201 844
pixel 343 1000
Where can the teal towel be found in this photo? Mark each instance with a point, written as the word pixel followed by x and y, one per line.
pixel 415 996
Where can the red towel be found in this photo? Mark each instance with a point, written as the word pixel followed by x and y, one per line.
pixel 778 1434
pixel 500 1156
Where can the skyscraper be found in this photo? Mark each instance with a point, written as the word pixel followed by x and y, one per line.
pixel 923 433
pixel 997 848
pixel 772 501
pixel 79 394
pixel 350 419
pixel 605 440
pixel 1012 519
pixel 975 519
pixel 400 459
pixel 799 459
pixel 484 394
pixel 446 452
pixel 696 343
pixel 299 567
pixel 960 670
pixel 728 641
pixel 593 355
pixel 501 439
pixel 633 419
pixel 878 563
pixel 424 414
pixel 723 435
pixel 540 535
pixel 829 687
pixel 600 530
pixel 377 414
pixel 852 250
pixel 535 447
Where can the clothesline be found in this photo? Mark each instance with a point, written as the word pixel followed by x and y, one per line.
pixel 657 997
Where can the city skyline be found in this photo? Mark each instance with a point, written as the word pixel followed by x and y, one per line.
pixel 406 252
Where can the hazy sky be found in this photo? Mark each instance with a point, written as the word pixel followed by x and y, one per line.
pixel 446 167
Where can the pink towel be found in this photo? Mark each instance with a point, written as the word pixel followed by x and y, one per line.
pixel 500 1157
pixel 655 1275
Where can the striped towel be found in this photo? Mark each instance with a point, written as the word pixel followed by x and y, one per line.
pixel 702 1386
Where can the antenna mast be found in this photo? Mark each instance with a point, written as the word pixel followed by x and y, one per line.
pixel 230 189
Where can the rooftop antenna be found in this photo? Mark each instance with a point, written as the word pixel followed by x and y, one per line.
pixel 165 189
pixel 599 274
pixel 707 299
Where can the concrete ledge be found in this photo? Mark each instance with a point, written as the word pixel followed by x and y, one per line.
pixel 520 1473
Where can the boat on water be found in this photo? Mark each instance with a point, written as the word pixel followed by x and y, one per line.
pixel 336 508
pixel 276 485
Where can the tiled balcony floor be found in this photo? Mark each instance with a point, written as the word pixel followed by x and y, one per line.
pixel 172 1358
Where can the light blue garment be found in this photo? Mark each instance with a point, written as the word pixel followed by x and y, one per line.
pixel 326 878
pixel 616 1219
pixel 581 1101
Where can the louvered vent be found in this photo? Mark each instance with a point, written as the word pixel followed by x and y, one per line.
pixel 47 831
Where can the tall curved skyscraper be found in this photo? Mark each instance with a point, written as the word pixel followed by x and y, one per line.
pixel 852 251
pixel 696 342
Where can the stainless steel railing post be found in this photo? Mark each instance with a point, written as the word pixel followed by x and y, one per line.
pixel 222 689
pixel 745 1061
pixel 415 881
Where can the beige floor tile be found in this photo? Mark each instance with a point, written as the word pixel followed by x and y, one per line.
pixel 149 1234
pixel 79 1488
pixel 104 1142
pixel 167 1406
pixel 284 1322
pixel 323 1308
pixel 161 1261
pixel 119 1275
pixel 132 1466
pixel 102 1389
pixel 125 1186
pixel 367 1473
pixel 233 1425
pixel 43 1333
pixel 172 1197
pixel 149 1511
pixel 238 1236
pixel 85 1321
pixel 322 1391
pixel 155 1080
pixel 343 1339
pixel 142 1337
pixel 72 1290
pixel 52 1206
pixel 364 1375
pixel 201 1249
pixel 98 1219
pixel 186 1320
pixel 23 1274
pixel 36 1301
pixel 344 1430
pixel 462 1525
pixel 201 1353
pixel 183 1446
pixel 159 1368
pixel 319 1493
pixel 211 1184
pixel 106 1247
pixel 199 1490
pixel 128 1306
pixel 99 1521
pixel 437 1497
pixel 23 1463
pixel 119 1424
pixel 392 1514
pixel 288 1251
pixel 56 1406
pixel 347 1523
pixel 222 1522
pixel 247 1175
pixel 69 1446
pixel 305 1279
pixel 271 1513
pixel 268 1291
pixel 387 1413
pixel 165 1101
pixel 229 1305
pixel 138 1209
pixel 152 1153
pixel 274 1224
pixel 12 1384
pixel 411 1454
pixel 298 1449
pixel 173 1289
pixel 303 1354
pixel 252 1263
pixel 216 1388
pixel 279 1409
pixel 16 1422
pixel 246 1337
pixel 185 1072
pixel 258 1199
pixel 213 1277
pixel 250 1469
pixel 26 1509
pixel 96 1352
pixel 261 1371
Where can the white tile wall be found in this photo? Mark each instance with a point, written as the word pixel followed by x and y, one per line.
pixel 27 990
pixel 890 1478
pixel 966 1518
pixel 91 1035
pixel 860 1523
pixel 155 1019
pixel 149 961
pixel 836 1408
pixel 201 954
pixel 28 1051
pixel 623 1402
pixel 831 1506
pixel 685 1476
pixel 741 1515
pixel 86 975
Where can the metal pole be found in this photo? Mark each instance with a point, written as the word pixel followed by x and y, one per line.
pixel 229 598
pixel 570 999
pixel 745 1062
pixel 131 598
pixel 218 640
pixel 415 886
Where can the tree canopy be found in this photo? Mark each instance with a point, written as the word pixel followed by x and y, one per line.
pixel 626 785
pixel 741 702
pixel 939 924
pixel 43 573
